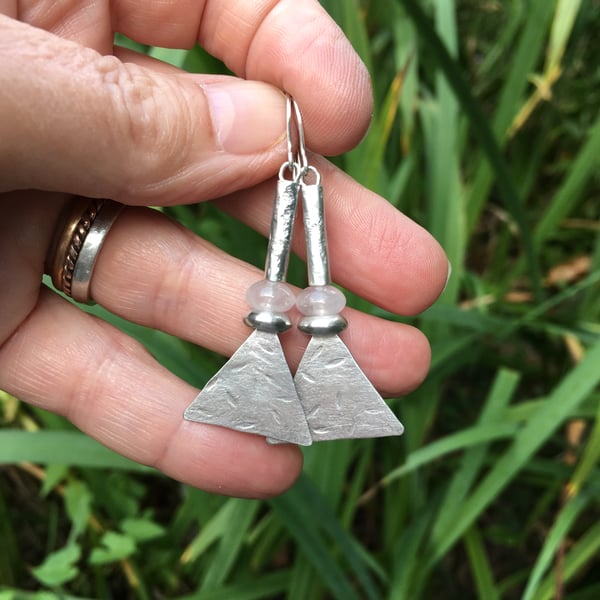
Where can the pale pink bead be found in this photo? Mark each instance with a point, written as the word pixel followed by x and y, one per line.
pixel 320 300
pixel 270 296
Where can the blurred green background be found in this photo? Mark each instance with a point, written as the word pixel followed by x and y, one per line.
pixel 487 132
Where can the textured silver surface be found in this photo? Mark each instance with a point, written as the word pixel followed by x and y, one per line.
pixel 254 392
pixel 316 239
pixel 338 399
pixel 282 224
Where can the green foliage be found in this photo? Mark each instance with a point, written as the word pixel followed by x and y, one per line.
pixel 487 131
pixel 59 567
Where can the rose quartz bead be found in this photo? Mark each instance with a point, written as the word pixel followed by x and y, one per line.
pixel 270 296
pixel 320 300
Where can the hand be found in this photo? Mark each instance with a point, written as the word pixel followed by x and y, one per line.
pixel 79 117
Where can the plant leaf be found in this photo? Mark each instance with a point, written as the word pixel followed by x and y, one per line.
pixel 115 546
pixel 78 502
pixel 59 567
pixel 141 530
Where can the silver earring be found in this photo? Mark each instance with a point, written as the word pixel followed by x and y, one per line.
pixel 330 397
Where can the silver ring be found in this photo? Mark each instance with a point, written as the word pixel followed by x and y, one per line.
pixel 88 255
pixel 76 249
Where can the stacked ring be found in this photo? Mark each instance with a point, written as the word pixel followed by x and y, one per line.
pixel 79 238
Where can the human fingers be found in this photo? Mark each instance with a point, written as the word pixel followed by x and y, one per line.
pixel 9 8
pixel 90 125
pixel 70 363
pixel 155 272
pixel 27 220
pixel 297 47
pixel 376 251
pixel 292 44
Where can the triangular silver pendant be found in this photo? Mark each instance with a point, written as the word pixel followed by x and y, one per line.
pixel 338 399
pixel 254 392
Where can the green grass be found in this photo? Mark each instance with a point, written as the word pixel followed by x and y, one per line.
pixel 486 131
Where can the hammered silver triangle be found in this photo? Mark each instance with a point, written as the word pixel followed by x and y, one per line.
pixel 338 399
pixel 254 392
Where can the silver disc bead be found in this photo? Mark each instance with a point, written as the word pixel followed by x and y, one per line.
pixel 268 321
pixel 322 324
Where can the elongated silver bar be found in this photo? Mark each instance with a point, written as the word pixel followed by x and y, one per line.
pixel 282 224
pixel 317 257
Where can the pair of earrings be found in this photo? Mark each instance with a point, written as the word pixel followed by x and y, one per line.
pixel 329 397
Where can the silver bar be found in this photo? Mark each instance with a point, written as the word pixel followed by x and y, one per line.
pixel 316 238
pixel 282 225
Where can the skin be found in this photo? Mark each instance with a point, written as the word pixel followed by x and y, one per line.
pixel 79 117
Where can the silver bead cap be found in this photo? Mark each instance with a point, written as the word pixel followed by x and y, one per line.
pixel 268 321
pixel 322 324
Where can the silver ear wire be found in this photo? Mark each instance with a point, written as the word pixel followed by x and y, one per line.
pixel 296 145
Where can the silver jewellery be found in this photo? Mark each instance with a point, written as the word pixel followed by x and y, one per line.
pixel 329 397
pixel 74 252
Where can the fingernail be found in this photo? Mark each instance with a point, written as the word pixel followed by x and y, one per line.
pixel 248 116
pixel 448 276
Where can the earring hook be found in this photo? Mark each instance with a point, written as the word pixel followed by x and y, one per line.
pixel 297 157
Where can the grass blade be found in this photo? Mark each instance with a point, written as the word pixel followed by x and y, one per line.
pixel 589 460
pixel 61 447
pixel 585 550
pixel 581 170
pixel 472 461
pixel 465 438
pixel 312 498
pixel 555 536
pixel 480 566
pixel 210 532
pixel 527 52
pixel 305 525
pixel 571 392
pixel 266 586
pixel 482 131
pixel 446 205
pixel 233 533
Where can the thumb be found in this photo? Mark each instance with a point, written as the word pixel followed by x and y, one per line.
pixel 75 121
